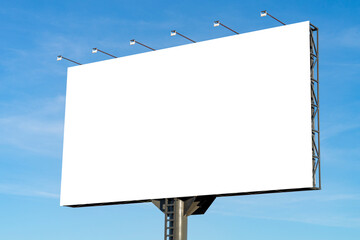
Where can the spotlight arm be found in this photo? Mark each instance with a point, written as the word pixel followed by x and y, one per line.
pixel 276 19
pixel 133 41
pixel 266 13
pixel 62 57
pixel 228 28
pixel 105 53
pixel 183 36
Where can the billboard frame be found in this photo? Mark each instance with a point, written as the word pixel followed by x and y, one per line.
pixel 315 105
pixel 315 128
pixel 176 210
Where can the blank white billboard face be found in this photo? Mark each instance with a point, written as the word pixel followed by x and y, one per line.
pixel 224 116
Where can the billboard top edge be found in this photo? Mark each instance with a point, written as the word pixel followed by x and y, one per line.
pixel 184 45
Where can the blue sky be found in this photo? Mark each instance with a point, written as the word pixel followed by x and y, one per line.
pixel 32 100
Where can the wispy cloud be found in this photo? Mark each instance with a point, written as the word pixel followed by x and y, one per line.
pixel 337 129
pixel 342 158
pixel 341 37
pixel 35 126
pixel 25 191
pixel 337 119
pixel 296 207
pixel 350 37
pixel 324 220
pixel 297 198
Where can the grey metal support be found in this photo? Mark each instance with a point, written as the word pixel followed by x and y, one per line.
pixel 169 211
pixel 175 220
pixel 60 57
pixel 180 220
pixel 176 211
pixel 315 104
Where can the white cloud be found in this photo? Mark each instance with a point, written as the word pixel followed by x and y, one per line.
pixel 337 129
pixel 25 191
pixel 318 208
pixel 35 126
pixel 350 37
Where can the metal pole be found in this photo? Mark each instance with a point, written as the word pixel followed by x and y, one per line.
pixel 145 46
pixel 180 221
pixel 228 28
pixel 106 53
pixel 276 19
pixel 71 60
pixel 176 211
pixel 186 37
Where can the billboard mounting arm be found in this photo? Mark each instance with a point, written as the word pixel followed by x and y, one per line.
pixel 176 211
pixel 265 13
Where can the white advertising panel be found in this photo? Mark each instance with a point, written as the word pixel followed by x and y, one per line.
pixel 223 116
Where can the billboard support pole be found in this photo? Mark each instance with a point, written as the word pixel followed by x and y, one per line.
pixel 180 221
pixel 177 210
pixel 175 220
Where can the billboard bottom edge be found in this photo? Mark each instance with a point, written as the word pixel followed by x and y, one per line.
pixel 213 195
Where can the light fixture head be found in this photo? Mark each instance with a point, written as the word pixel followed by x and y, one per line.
pixel 94 50
pixel 216 23
pixel 59 58
pixel 263 13
pixel 132 42
pixel 173 33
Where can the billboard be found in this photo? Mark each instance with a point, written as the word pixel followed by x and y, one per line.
pixel 220 117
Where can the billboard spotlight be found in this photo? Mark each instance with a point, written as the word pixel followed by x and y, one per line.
pixel 218 23
pixel 265 13
pixel 132 42
pixel 60 57
pixel 95 50
pixel 174 32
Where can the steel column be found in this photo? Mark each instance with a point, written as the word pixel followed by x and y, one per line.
pixel 180 221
